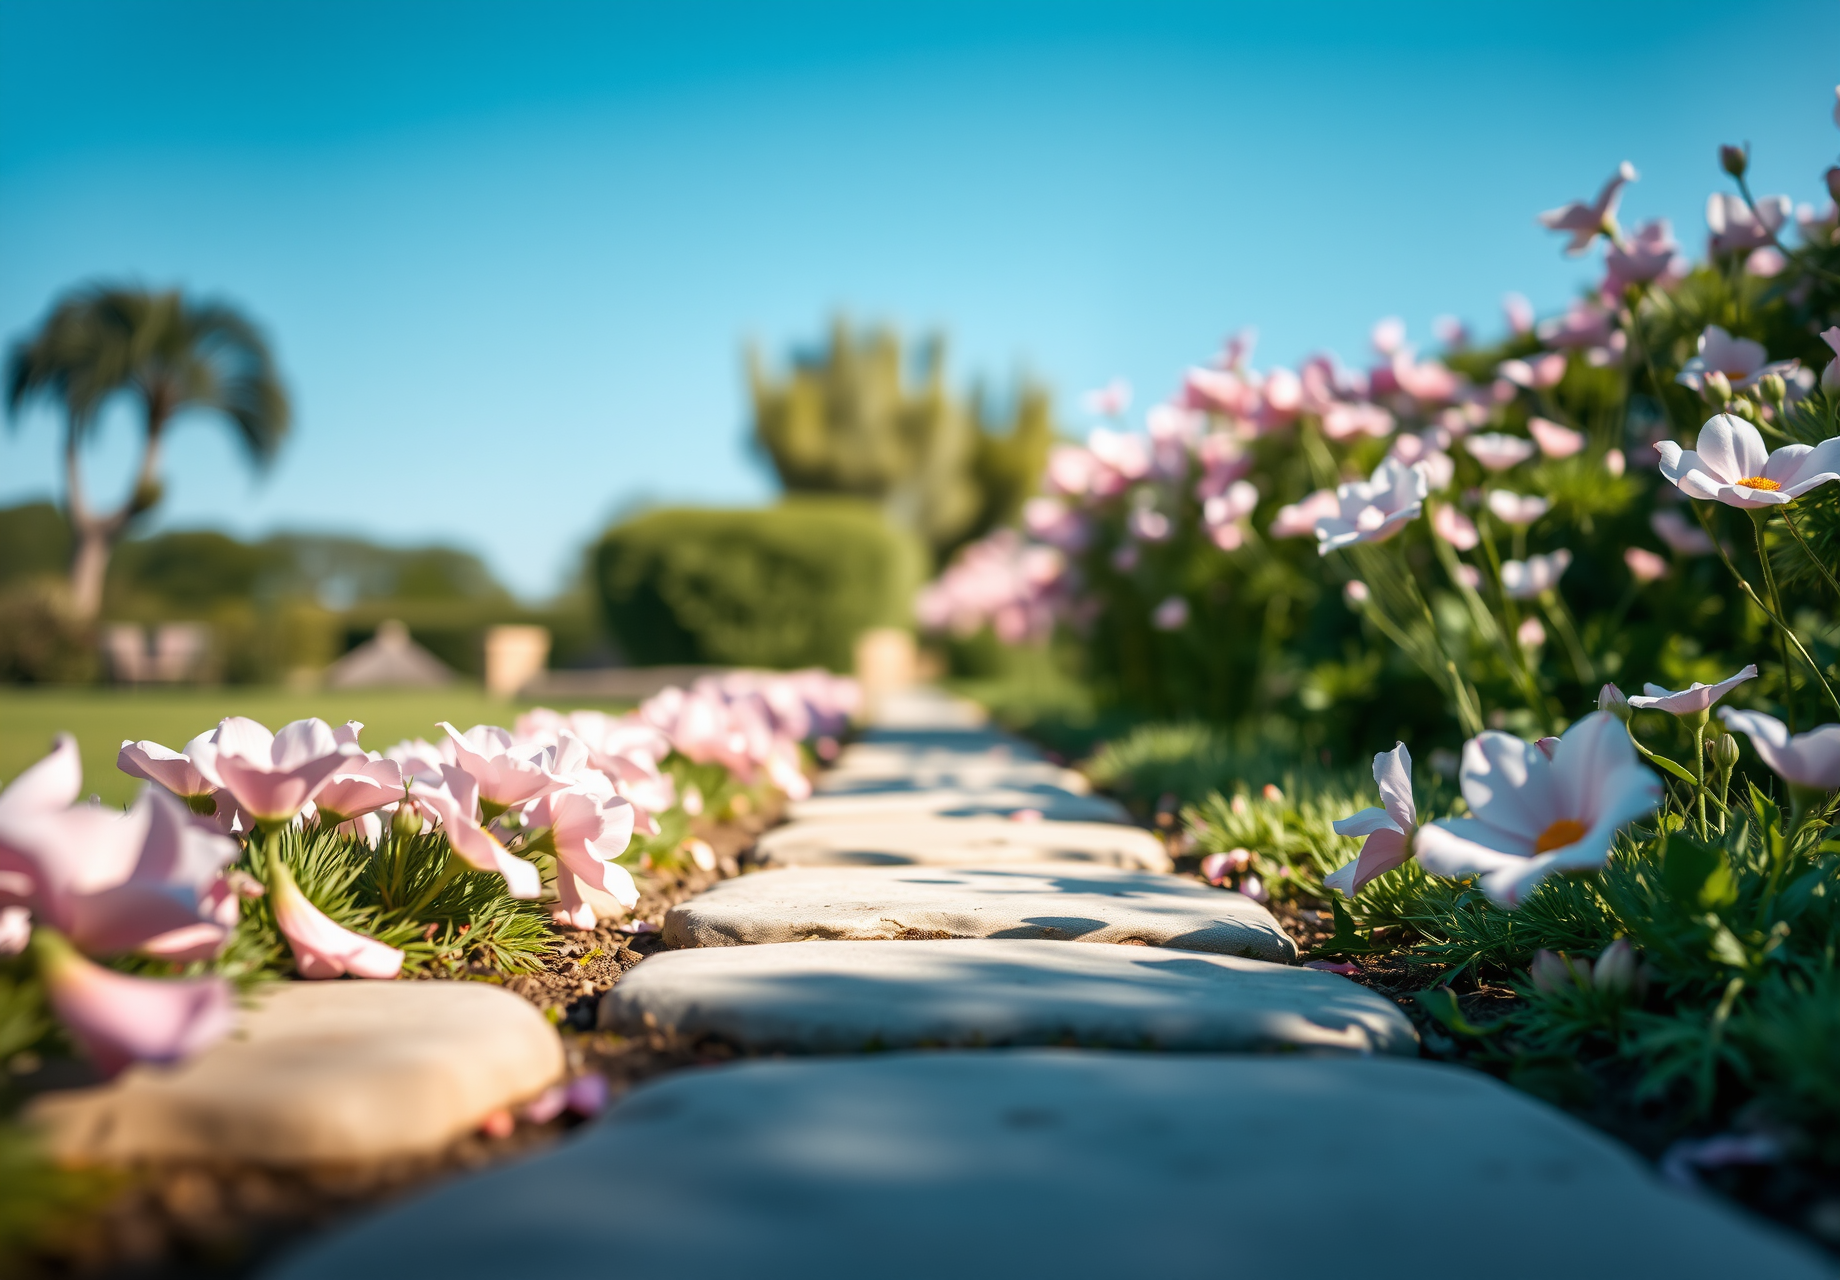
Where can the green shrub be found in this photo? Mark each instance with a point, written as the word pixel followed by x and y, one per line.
pixel 793 585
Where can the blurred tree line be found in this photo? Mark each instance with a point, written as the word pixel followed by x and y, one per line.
pixel 283 605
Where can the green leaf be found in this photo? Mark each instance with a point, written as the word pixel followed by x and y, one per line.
pixel 1678 770
pixel 1441 1003
pixel 1726 949
pixel 1698 875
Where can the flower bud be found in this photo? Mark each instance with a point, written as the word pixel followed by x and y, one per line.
pixel 406 822
pixel 1615 971
pixel 1772 388
pixel 1733 160
pixel 1611 699
pixel 1725 753
pixel 1551 972
pixel 1743 408
pixel 1833 183
pixel 1718 388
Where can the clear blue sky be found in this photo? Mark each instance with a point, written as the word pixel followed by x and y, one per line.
pixel 509 253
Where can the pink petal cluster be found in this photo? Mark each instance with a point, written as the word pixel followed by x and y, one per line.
pixel 1388 830
pixel 1013 587
pixel 1585 222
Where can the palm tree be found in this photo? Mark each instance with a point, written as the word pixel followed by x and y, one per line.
pixel 173 355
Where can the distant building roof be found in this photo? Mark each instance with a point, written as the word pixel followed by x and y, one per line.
pixel 389 658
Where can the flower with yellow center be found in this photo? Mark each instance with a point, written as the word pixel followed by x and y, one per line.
pixel 1540 808
pixel 1731 465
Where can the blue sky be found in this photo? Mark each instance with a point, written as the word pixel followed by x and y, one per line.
pixel 509 254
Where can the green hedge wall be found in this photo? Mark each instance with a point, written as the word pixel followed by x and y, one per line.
pixel 789 586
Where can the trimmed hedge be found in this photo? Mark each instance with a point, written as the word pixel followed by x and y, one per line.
pixel 788 586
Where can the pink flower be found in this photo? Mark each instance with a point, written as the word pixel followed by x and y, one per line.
pixel 1222 515
pixel 1298 519
pixel 1736 229
pixel 1554 440
pixel 509 773
pixel 360 786
pixel 1148 526
pixel 1584 324
pixel 1345 421
pixel 1809 759
pixel 1109 401
pixel 1644 565
pixel 1830 376
pixel 1388 830
pixel 1766 262
pixel 1532 815
pixel 586 836
pixel 456 804
pixel 1614 462
pixel 1731 465
pixel 1375 509
pixel 1518 312
pixel 1531 634
pixel 1683 539
pixel 1426 448
pixel 1071 470
pixel 272 776
pixel 1498 452
pixel 1516 509
pixel 1223 460
pixel 1388 335
pixel 1650 254
pixel 15 930
pixel 1451 331
pixel 174 770
pixel 1536 373
pixel 1280 399
pixel 1356 594
pixel 323 948
pixel 1585 222
pixel 1220 391
pixel 1743 362
pixel 1525 580
pixel 1454 527
pixel 120 1020
pixel 1171 615
pixel 1124 454
pixel 1694 699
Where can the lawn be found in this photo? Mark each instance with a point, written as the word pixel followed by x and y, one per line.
pixel 102 718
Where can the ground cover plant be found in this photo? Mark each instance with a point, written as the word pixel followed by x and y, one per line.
pixel 1456 567
pixel 248 856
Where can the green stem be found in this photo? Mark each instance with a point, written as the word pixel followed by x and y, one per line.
pixel 1561 618
pixel 1744 190
pixel 452 867
pixel 1759 518
pixel 1485 623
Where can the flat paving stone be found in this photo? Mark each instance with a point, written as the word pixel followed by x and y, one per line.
pixel 1051 903
pixel 1027 1163
pixel 1051 802
pixel 848 997
pixel 947 771
pixel 318 1073
pixel 926 708
pixel 961 842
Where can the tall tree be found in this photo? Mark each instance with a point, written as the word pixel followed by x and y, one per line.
pixel 172 355
pixel 848 419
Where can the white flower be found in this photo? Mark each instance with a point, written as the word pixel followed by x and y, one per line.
pixel 1389 830
pixel 1222 514
pixel 1693 699
pixel 1533 816
pixel 1809 759
pixel 1516 509
pixel 1743 362
pixel 1498 452
pixel 1526 579
pixel 1531 634
pixel 1731 465
pixel 1373 510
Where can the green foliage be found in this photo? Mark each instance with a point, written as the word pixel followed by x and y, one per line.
pixel 34 542
pixel 790 586
pixel 845 421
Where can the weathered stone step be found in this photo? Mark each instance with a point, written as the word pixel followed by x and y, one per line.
pixel 948 771
pixel 320 1072
pixel 1047 1162
pixel 1043 901
pixel 848 997
pixel 944 842
pixel 1051 802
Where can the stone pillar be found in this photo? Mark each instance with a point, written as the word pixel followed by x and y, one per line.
pixel 514 657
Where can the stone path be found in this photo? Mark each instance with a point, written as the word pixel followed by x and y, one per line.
pixel 321 1072
pixel 1044 900
pixel 1273 1119
pixel 847 997
pixel 1058 1163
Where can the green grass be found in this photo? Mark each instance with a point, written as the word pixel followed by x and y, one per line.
pixel 101 718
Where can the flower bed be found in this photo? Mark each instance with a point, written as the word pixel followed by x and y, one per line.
pixel 540 858
pixel 1626 904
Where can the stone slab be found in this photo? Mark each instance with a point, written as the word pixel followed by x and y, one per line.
pixel 1051 802
pixel 933 771
pixel 848 997
pixel 926 708
pixel 318 1073
pixel 1047 902
pixel 1049 1162
pixel 962 842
